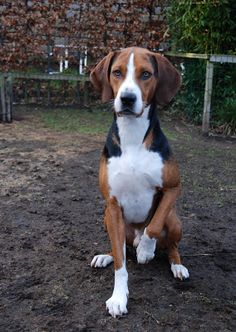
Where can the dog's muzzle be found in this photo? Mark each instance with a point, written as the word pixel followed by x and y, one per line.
pixel 128 100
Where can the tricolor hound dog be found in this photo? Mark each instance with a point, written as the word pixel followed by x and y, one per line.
pixel 139 176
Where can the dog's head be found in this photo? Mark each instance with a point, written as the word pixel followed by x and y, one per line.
pixel 135 77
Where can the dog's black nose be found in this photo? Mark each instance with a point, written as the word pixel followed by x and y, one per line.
pixel 128 98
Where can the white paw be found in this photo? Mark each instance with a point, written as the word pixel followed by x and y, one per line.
pixel 146 249
pixel 117 304
pixel 101 260
pixel 179 271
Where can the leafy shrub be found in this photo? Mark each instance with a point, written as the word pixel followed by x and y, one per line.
pixel 191 97
pixel 205 27
pixel 224 98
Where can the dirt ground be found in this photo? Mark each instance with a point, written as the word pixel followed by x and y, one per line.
pixel 51 215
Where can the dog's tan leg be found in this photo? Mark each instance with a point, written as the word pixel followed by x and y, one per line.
pixel 158 221
pixel 147 244
pixel 117 304
pixel 103 260
pixel 173 236
pixel 171 191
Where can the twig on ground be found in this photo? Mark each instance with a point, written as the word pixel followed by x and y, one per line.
pixel 210 254
pixel 151 315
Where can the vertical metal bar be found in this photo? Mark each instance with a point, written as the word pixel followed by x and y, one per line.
pixel 78 92
pixel 3 99
pixel 86 93
pixel 9 99
pixel 26 101
pixel 207 98
pixel 49 93
pixel 64 91
pixel 38 91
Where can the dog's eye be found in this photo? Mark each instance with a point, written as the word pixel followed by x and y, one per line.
pixel 145 75
pixel 117 73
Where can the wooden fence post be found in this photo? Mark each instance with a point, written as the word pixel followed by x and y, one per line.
pixel 6 98
pixel 207 98
pixel 78 92
pixel 86 93
pixel 48 93
pixel 3 100
pixel 9 98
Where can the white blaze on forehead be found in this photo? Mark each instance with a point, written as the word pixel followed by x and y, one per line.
pixel 131 69
pixel 130 85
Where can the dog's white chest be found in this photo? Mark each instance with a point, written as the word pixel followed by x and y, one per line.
pixel 133 178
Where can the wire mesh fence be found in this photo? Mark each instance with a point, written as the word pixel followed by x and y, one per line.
pixel 223 106
pixel 55 75
pixel 208 93
pixel 207 96
pixel 52 91
pixel 43 90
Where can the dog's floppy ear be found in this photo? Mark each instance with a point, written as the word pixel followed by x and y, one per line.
pixel 99 77
pixel 168 80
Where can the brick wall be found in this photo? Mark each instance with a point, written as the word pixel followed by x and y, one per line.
pixel 31 30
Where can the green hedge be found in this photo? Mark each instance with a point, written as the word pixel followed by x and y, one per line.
pixel 205 27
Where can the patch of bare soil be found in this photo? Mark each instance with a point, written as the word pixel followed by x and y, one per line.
pixel 51 215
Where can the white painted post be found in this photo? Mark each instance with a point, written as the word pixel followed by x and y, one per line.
pixel 66 59
pixel 207 98
pixel 80 65
pixel 61 64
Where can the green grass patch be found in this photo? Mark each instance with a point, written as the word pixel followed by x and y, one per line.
pixel 170 134
pixel 84 121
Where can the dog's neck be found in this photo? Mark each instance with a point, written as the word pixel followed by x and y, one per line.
pixel 128 134
pixel 133 130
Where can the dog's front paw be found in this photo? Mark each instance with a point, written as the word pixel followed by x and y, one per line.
pixel 117 304
pixel 101 260
pixel 179 271
pixel 146 249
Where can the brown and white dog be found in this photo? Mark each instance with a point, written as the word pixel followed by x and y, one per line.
pixel 138 177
